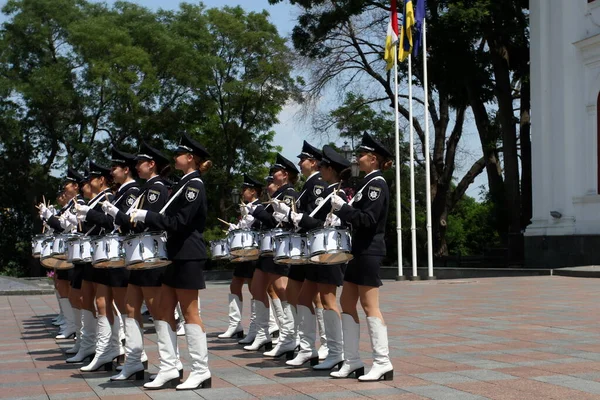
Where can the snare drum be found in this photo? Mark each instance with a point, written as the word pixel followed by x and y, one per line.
pixel 108 251
pixel 36 245
pixel 79 249
pixel 146 250
pixel 330 246
pixel 267 241
pixel 59 247
pixel 244 259
pixel 291 248
pixel 219 249
pixel 49 261
pixel 243 243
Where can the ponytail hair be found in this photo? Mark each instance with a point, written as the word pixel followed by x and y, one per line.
pixel 384 163
pixel 205 166
pixel 292 177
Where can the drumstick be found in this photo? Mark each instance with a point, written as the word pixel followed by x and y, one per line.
pixel 335 193
pixel 44 199
pixel 225 222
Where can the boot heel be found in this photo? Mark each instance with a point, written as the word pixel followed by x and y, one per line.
pixel 207 384
pixel 108 367
pixel 240 335
pixel 358 372
pixel 339 365
pixel 181 374
pixel 139 376
pixel 289 355
pixel 121 359
pixel 275 334
pixel 145 364
pixel 314 361
pixel 268 346
pixel 388 376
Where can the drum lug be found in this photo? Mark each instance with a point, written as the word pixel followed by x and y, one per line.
pixel 155 248
pixel 141 246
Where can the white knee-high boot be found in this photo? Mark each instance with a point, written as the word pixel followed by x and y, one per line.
pixel 134 348
pixel 322 335
pixel 200 375
pixel 168 375
pixel 68 328
pixel 235 318
pixel 252 327
pixel 352 362
pixel 335 353
pixel 262 326
pixel 287 340
pixel 382 367
pixel 106 351
pixel 78 325
pixel 307 329
pixel 87 347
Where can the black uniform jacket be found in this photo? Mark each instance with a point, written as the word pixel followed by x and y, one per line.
pixel 368 216
pixel 105 195
pixel 184 219
pixel 124 199
pixel 287 194
pixel 154 196
pixel 308 223
pixel 54 222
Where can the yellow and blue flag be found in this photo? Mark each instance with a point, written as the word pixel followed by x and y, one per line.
pixel 408 22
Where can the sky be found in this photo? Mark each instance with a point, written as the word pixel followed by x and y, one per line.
pixel 291 129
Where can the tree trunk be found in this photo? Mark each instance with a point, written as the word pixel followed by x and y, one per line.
pixel 526 168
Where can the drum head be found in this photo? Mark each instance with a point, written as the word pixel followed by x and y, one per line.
pixel 331 258
pixel 149 265
pixel 244 259
pixel 110 264
pixel 292 261
pixel 49 262
pixel 247 252
pixel 63 265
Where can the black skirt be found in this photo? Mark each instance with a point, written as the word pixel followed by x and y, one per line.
pixel 326 274
pixel 77 276
pixel 267 265
pixel 244 269
pixel 364 271
pixel 64 274
pixel 185 274
pixel 117 277
pixel 297 272
pixel 88 272
pixel 147 277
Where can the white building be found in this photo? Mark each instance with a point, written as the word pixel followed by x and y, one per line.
pixel 565 113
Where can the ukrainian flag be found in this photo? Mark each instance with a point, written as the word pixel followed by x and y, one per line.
pixel 406 41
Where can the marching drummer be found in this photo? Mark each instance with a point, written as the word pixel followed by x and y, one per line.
pixel 144 284
pixel 322 280
pixel 96 281
pixel 306 202
pixel 285 175
pixel 367 213
pixel 59 223
pixel 184 221
pixel 251 191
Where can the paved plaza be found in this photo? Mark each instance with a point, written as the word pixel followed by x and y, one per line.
pixel 496 338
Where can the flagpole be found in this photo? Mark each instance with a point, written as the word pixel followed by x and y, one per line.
pixel 400 276
pixel 413 222
pixel 427 162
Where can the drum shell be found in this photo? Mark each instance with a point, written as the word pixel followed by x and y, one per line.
pixel 59 247
pixel 146 250
pixel 36 245
pixel 243 242
pixel 291 248
pixel 267 241
pixel 327 242
pixel 219 249
pixel 107 251
pixel 79 249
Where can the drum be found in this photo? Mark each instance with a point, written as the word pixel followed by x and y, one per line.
pixel 291 248
pixel 36 245
pixel 243 243
pixel 79 249
pixel 46 258
pixel 267 241
pixel 219 249
pixel 244 259
pixel 330 246
pixel 59 246
pixel 146 250
pixel 107 251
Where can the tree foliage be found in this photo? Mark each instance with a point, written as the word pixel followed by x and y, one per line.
pixel 78 77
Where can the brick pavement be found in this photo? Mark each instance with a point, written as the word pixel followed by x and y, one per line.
pixel 495 338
